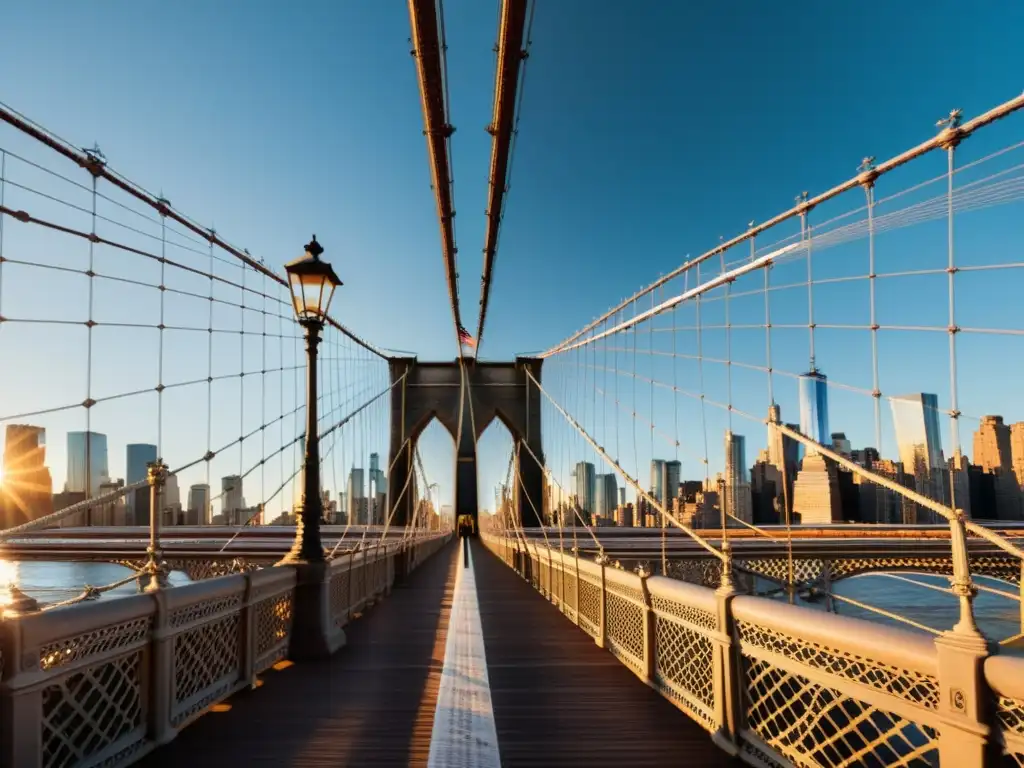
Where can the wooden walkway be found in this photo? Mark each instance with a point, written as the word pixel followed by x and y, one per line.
pixel 371 704
pixel 558 699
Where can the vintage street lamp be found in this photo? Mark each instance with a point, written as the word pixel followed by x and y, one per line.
pixel 312 284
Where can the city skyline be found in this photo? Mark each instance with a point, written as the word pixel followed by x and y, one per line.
pixel 915 420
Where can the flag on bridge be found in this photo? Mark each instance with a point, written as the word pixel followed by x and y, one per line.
pixel 466 339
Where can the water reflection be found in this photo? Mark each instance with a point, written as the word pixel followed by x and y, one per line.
pixel 53 582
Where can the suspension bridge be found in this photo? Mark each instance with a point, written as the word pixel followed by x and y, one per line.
pixel 645 591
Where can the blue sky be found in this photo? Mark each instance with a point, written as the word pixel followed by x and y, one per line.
pixel 645 135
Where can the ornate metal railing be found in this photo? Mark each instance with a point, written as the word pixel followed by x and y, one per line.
pixel 103 683
pixel 782 685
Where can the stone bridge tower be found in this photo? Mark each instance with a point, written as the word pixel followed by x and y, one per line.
pixel 493 390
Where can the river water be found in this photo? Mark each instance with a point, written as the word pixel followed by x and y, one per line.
pixel 55 582
pixel 997 616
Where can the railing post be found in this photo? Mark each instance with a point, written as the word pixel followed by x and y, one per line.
pixel 161 673
pixel 21 712
pixel 650 628
pixel 248 620
pixel 964 698
pixel 155 571
pixel 351 576
pixel 602 624
pixel 551 575
pixel 726 663
pixel 576 557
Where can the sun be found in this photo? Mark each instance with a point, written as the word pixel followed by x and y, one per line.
pixel 8 574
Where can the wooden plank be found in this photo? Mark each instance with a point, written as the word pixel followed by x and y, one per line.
pixel 372 704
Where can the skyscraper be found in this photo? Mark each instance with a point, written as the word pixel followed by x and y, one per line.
pixel 916 419
pixel 657 486
pixel 814 406
pixel 137 457
pixel 87 463
pixel 378 490
pixel 607 495
pixel 670 480
pixel 27 490
pixel 993 452
pixel 737 486
pixel 357 506
pixel 586 487
pixel 199 503
pixel 841 445
pixel 231 495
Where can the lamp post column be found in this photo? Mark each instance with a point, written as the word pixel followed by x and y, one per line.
pixel 315 633
pixel 308 547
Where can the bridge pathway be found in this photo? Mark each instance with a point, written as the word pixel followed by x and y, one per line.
pixel 555 697
pixel 371 704
pixel 559 700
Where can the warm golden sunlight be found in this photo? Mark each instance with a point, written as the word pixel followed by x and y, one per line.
pixel 8 576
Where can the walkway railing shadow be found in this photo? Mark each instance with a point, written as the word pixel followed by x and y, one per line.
pixel 104 683
pixel 782 685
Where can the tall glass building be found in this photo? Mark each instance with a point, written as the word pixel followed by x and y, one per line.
pixel 586 486
pixel 87 462
pixel 657 487
pixel 814 407
pixel 199 502
pixel 737 480
pixel 137 456
pixel 606 496
pixel 916 418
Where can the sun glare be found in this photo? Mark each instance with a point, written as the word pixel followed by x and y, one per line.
pixel 8 573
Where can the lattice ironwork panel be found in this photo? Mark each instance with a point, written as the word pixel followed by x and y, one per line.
pixel 590 606
pixel 684 658
pixel 339 598
pixel 570 590
pixel 273 625
pixel 815 725
pixel 805 570
pixel 1011 714
pixel 907 684
pixel 704 572
pixel 625 626
pixel 198 570
pixel 754 755
pixel 101 640
pixel 358 576
pixel 695 616
pixel 1002 567
pixel 203 658
pixel 628 592
pixel 206 609
pixel 89 710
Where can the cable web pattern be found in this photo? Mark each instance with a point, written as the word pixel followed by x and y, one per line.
pixel 154 337
pixel 819 368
